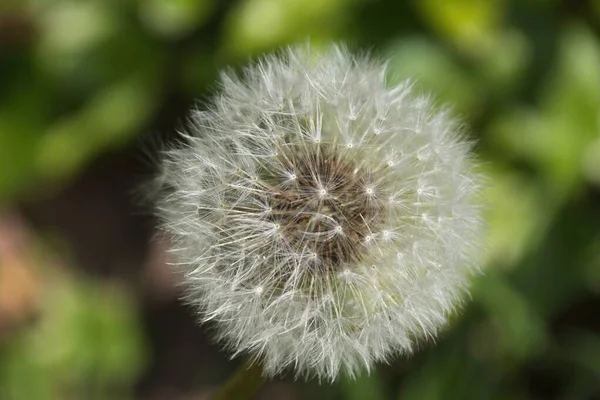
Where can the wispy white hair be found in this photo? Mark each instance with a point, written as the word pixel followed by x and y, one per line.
pixel 321 218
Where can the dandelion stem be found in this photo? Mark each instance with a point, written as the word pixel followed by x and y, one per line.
pixel 243 384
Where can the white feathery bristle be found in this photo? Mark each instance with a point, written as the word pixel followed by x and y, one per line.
pixel 321 219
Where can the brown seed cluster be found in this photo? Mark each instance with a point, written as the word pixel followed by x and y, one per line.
pixel 326 212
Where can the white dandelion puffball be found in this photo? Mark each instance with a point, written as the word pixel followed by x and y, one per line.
pixel 321 219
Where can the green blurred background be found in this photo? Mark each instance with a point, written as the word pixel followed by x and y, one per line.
pixel 88 88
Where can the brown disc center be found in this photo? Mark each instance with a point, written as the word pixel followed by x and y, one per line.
pixel 326 209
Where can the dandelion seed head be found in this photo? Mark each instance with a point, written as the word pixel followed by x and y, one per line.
pixel 322 219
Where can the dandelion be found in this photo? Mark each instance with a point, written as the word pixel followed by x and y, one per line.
pixel 322 219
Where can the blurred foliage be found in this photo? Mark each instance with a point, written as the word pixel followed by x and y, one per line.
pixel 79 80
pixel 86 345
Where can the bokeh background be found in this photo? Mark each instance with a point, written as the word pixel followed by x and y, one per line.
pixel 90 88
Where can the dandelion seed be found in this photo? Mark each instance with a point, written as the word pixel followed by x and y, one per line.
pixel 308 255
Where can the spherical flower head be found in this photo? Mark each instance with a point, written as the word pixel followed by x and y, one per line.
pixel 322 219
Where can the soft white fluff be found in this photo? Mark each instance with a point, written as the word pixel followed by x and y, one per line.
pixel 288 285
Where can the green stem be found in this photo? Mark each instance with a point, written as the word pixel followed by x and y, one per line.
pixel 243 384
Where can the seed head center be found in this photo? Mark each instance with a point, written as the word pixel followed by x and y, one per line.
pixel 327 211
